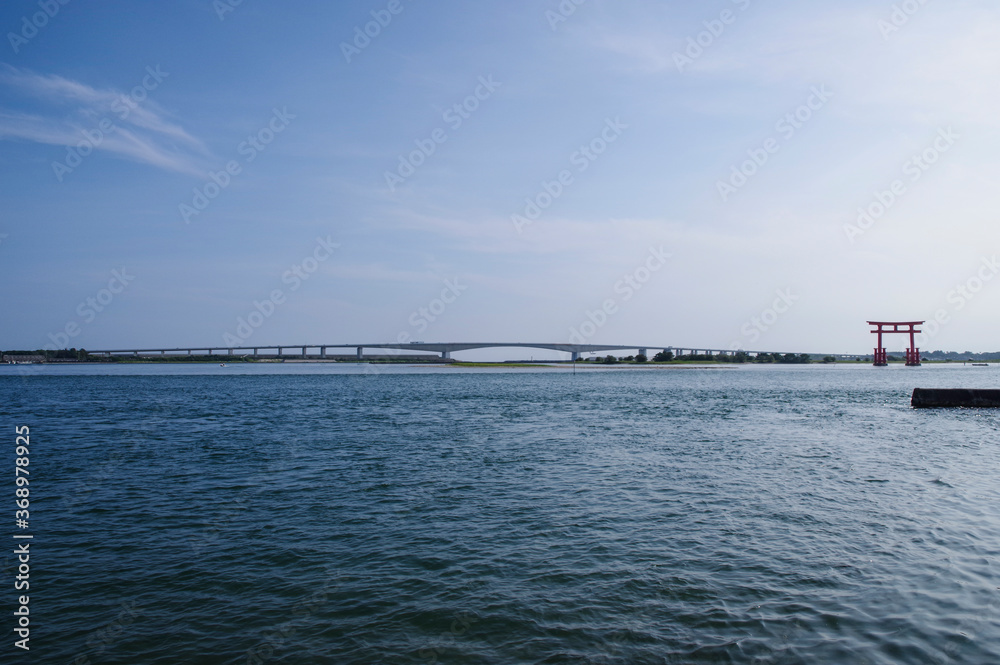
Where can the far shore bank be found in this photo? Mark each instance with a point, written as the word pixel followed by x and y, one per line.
pixel 437 362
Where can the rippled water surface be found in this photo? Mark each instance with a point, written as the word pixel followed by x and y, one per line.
pixel 335 514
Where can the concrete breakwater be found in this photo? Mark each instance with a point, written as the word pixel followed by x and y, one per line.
pixel 926 398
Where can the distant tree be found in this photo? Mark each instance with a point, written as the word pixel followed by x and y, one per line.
pixel 829 359
pixel 698 357
pixel 609 360
pixel 793 358
pixel 663 357
pixel 741 357
pixel 628 359
pixel 640 358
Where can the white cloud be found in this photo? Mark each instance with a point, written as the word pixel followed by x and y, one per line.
pixel 65 113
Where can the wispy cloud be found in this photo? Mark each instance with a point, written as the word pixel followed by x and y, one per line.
pixel 65 113
pixel 935 64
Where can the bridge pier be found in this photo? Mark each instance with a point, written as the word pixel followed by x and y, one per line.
pixel 279 351
pixel 576 356
pixel 255 353
pixel 361 355
pixel 446 355
pixel 644 352
pixel 322 352
pixel 303 352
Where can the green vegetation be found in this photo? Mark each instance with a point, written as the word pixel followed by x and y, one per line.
pixel 740 357
pixel 954 356
pixel 473 364
pixel 224 358
pixel 80 355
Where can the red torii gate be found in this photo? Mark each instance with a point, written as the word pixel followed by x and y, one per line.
pixel 912 353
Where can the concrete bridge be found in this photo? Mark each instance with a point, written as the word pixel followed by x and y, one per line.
pixel 445 349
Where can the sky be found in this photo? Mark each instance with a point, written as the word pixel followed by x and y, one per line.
pixel 725 174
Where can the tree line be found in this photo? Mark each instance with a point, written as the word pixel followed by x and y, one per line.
pixel 738 357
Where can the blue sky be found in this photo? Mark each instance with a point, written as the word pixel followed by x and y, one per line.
pixel 584 144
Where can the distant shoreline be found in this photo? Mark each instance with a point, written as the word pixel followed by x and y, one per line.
pixel 474 364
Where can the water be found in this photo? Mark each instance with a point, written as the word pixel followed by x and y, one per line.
pixel 351 514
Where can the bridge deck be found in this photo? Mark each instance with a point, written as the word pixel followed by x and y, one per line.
pixel 443 348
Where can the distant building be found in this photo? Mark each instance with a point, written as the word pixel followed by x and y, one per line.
pixel 19 360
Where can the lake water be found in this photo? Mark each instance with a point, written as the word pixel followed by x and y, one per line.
pixel 300 513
